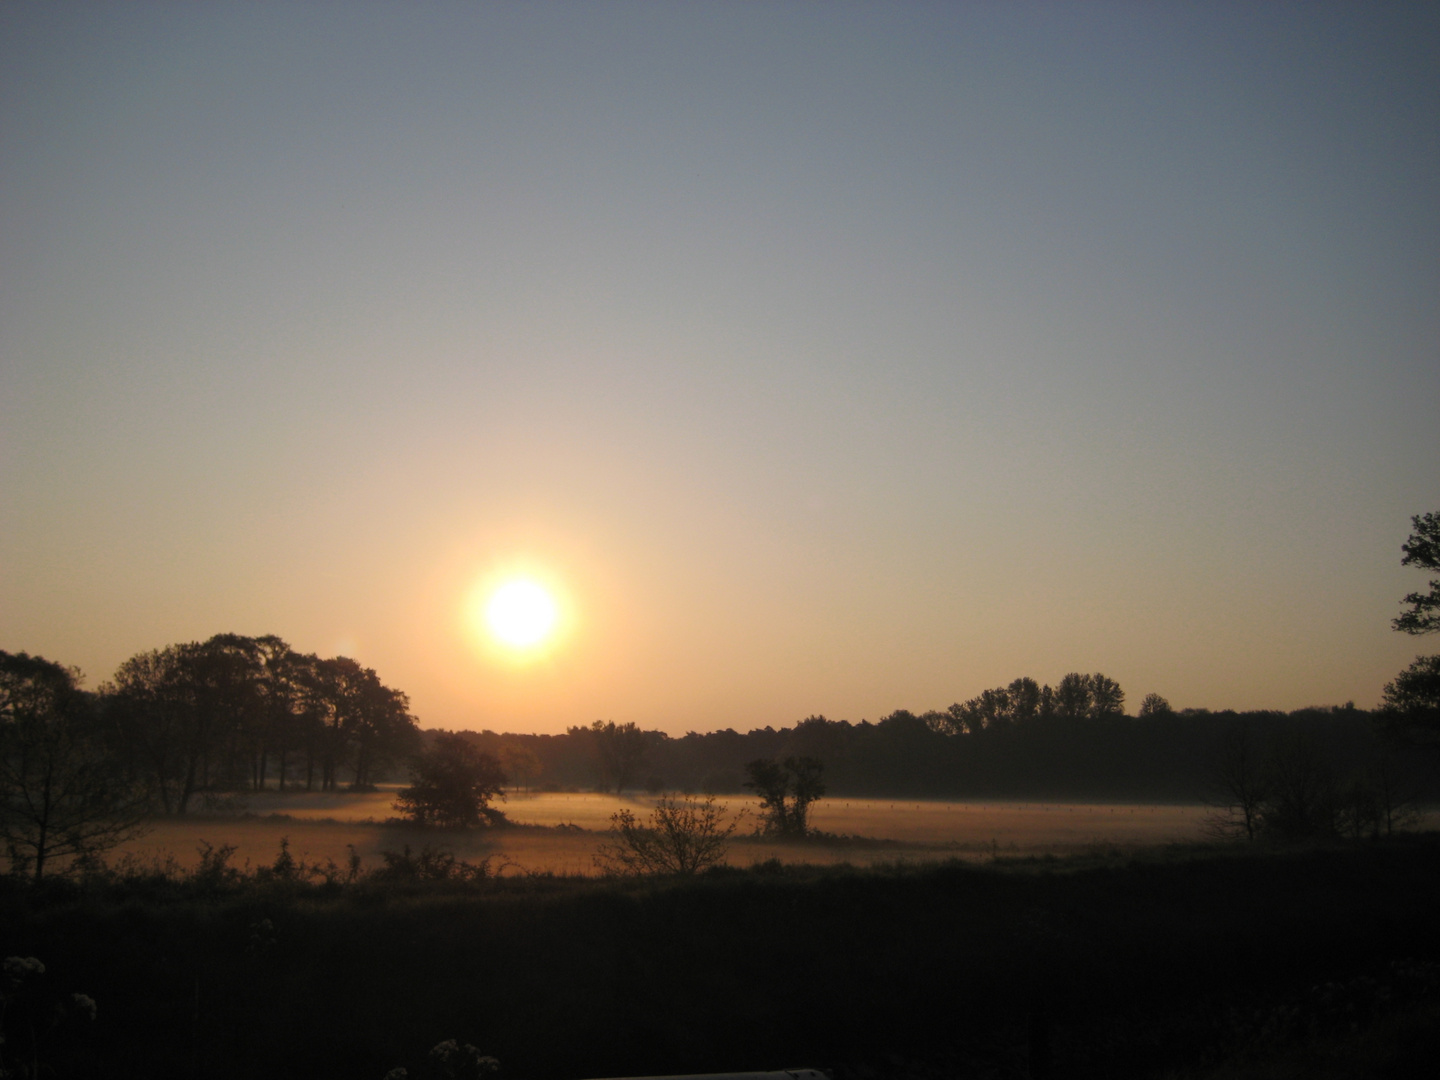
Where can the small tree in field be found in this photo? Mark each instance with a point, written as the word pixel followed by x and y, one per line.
pixel 786 791
pixel 683 836
pixel 452 784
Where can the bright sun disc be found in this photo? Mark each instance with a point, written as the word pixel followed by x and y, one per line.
pixel 520 613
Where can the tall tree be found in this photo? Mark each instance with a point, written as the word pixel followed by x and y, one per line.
pixel 620 750
pixel 1155 705
pixel 1410 711
pixel 1239 776
pixel 1073 696
pixel 1411 708
pixel 163 715
pixel 1106 697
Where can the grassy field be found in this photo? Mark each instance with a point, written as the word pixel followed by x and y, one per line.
pixel 566 828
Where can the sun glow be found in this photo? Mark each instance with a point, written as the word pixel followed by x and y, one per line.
pixel 520 614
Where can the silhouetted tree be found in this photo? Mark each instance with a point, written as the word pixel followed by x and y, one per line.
pixel 1410 710
pixel 1155 705
pixel 522 765
pixel 1302 797
pixel 620 749
pixel 771 784
pixel 1024 698
pixel 682 836
pixel 1240 778
pixel 452 784
pixel 1073 696
pixel 786 791
pixel 170 707
pixel 61 792
pixel 1422 549
pixel 807 786
pixel 1106 697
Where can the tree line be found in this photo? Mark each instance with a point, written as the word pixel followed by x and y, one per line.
pixel 237 713
pixel 1166 755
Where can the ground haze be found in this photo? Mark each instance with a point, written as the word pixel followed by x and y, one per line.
pixel 566 827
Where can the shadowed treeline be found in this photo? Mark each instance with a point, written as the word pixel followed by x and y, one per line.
pixel 1171 756
pixel 236 714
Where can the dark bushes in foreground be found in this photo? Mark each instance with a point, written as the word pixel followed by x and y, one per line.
pixel 1120 969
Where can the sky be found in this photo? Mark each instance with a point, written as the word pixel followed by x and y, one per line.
pixel 816 358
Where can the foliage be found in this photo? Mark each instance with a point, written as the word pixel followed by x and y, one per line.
pixel 620 750
pixel 786 790
pixel 1302 797
pixel 61 793
pixel 452 785
pixel 215 715
pixel 1155 705
pixel 1422 549
pixel 1410 712
pixel 1077 697
pixel 682 836
pixel 1291 790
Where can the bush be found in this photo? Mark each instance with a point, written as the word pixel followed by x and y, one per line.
pixel 683 836
pixel 452 785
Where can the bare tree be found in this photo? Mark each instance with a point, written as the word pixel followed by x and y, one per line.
pixel 61 793
pixel 682 836
pixel 1239 778
pixel 1303 798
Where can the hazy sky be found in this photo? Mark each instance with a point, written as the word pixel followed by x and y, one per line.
pixel 822 358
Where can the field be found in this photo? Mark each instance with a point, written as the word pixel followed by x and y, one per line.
pixel 566 828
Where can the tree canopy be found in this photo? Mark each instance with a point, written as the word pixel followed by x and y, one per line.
pixel 220 714
pixel 452 785
pixel 1422 550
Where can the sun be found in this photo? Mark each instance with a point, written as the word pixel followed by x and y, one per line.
pixel 520 614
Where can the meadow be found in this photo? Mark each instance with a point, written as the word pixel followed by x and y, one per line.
pixel 558 832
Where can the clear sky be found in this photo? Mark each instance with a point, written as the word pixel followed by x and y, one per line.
pixel 818 358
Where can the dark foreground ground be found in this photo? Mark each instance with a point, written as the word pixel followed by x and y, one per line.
pixel 1182 963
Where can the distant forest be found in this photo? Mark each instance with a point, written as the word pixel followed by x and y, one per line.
pixel 201 721
pixel 1166 757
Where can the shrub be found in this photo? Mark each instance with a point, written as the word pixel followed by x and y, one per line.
pixel 683 836
pixel 452 785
